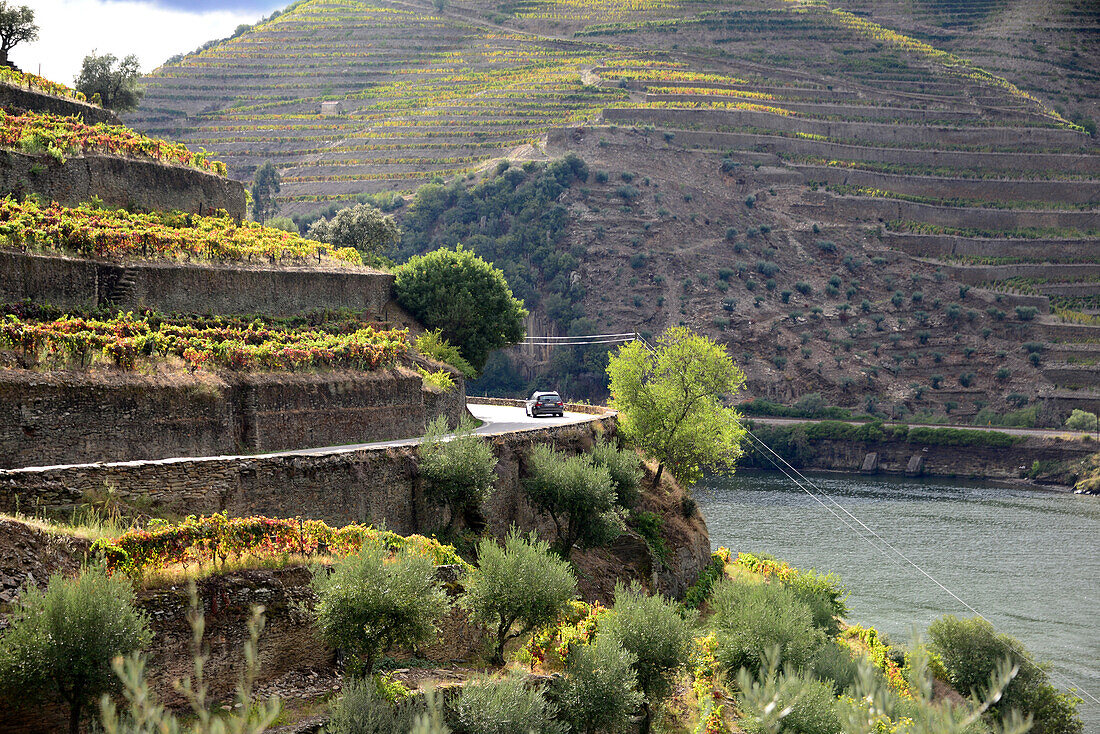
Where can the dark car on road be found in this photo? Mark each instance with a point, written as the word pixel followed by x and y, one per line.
pixel 544 403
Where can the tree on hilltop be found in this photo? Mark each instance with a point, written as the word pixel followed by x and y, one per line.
pixel 112 81
pixel 670 402
pixel 16 26
pixel 265 184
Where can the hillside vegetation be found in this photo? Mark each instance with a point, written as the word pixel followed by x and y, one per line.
pixel 846 194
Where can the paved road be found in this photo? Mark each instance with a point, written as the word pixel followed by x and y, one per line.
pixel 1040 432
pixel 495 420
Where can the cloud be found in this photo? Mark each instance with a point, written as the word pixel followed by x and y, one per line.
pixel 71 29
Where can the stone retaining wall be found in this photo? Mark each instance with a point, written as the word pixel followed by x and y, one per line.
pixel 974 274
pixel 68 418
pixel 178 287
pixel 869 131
pixel 1014 162
pixel 944 461
pixel 13 96
pixel 338 486
pixel 121 183
pixel 923 245
pixel 859 208
pixel 861 112
pixel 1077 192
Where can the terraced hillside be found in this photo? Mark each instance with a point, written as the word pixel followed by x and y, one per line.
pixel 740 148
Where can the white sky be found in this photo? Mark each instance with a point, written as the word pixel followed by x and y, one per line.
pixel 68 30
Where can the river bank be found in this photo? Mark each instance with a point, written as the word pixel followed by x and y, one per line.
pixel 899 449
pixel 1001 547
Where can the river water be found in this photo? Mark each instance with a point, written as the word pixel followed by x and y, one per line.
pixel 1028 560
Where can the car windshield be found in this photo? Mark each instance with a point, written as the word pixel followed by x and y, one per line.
pixel 550 397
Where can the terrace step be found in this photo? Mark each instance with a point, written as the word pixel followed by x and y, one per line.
pixel 1014 137
pixel 1065 163
pixel 975 274
pixel 925 245
pixel 124 291
pixel 941 187
pixel 1072 376
pixel 852 112
pixel 847 208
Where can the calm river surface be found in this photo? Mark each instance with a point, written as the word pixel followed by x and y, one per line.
pixel 1028 560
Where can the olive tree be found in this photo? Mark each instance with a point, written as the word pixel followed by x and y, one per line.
pixel 371 602
pixel 504 706
pixel 517 587
pixel 670 402
pixel 463 296
pixel 625 468
pixel 361 226
pixel 459 470
pixel 655 632
pixel 61 641
pixel 113 81
pixel 578 496
pixel 599 690
pixel 16 26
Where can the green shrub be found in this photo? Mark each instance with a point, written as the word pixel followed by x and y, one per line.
pixel 504 706
pixel 962 437
pixel 652 630
pixel 598 692
pixel 835 664
pixel 1080 420
pixel 971 649
pixel 371 602
pixel 522 584
pixel 576 494
pixel 824 595
pixel 752 618
pixel 365 708
pixel 625 468
pixel 459 472
pixel 432 344
pixel 61 641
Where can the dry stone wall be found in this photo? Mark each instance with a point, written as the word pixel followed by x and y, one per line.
pixel 66 418
pixel 180 287
pixel 562 138
pixel 120 183
pixel 13 96
pixel 1079 192
pixel 921 245
pixel 872 209
pixel 870 131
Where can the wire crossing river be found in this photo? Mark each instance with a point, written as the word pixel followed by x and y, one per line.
pixel 1028 560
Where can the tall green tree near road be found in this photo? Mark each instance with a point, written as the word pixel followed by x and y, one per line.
pixel 113 81
pixel 463 296
pixel 361 226
pixel 265 184
pixel 460 471
pixel 670 402
pixel 62 640
pixel 16 26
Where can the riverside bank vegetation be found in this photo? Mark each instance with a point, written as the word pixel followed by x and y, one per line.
pixel 755 645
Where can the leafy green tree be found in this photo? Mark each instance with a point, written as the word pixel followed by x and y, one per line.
pixel 16 26
pixel 61 642
pixel 361 226
pixel 459 471
pixel 1081 420
pixel 970 650
pixel 625 468
pixel 577 495
pixel 463 296
pixel 653 630
pixel 522 584
pixel 670 402
pixel 504 706
pixel 371 602
pixel 265 185
pixel 598 693
pixel 112 81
